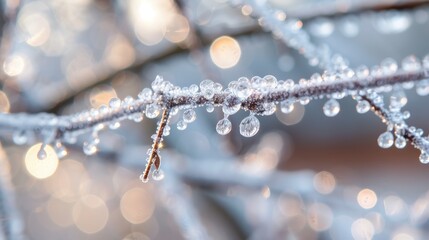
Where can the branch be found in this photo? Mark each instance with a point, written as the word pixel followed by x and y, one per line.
pixel 292 34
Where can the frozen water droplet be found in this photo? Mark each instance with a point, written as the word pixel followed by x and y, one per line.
pixel 157 83
pixel 224 126
pixel 249 126
pixel 115 103
pixel 230 109
pixel 167 130
pixel 269 109
pixel 385 140
pixel 143 179
pixel 331 108
pixel 42 153
pixel 422 87
pixel 362 106
pixel 269 81
pixel 210 108
pixel 145 94
pixel 114 125
pixel 398 99
pixel 137 117
pixel 424 158
pixel 181 125
pixel 89 148
pixel 304 100
pixel 206 84
pixel 362 71
pixel 400 142
pixel 60 150
pixel 411 64
pixel 243 88
pixel 158 175
pixel 189 115
pixel 152 111
pixel 193 88
pixel 20 137
pixel 286 106
pixel 389 66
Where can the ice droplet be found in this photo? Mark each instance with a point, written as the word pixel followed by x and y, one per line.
pixel 424 158
pixel 362 106
pixel 42 153
pixel 158 175
pixel 385 140
pixel 400 142
pixel 20 137
pixel 189 115
pixel 181 125
pixel 224 126
pixel 331 108
pixel 249 126
pixel 152 111
pixel 286 106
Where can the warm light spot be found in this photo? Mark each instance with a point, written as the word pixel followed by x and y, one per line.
pixel 178 29
pixel 324 182
pixel 41 168
pixel 290 206
pixel 14 65
pixel 362 229
pixel 266 192
pixel 367 198
pixel 150 19
pixel 319 217
pixel 120 52
pixel 4 103
pixel 225 52
pixel 291 118
pixel 101 95
pixel 90 214
pixel 36 28
pixel 137 205
pixel 246 10
pixel 60 212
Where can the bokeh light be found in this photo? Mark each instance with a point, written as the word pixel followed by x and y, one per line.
pixel 324 182
pixel 14 65
pixel 90 214
pixel 225 52
pixel 41 168
pixel 101 95
pixel 367 198
pixel 362 229
pixel 137 205
pixel 319 217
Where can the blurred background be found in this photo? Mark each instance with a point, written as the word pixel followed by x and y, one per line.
pixel 303 176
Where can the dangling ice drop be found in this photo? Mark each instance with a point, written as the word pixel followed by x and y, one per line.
pixel 152 111
pixel 143 179
pixel 224 126
pixel 189 116
pixel 181 125
pixel 286 106
pixel 20 137
pixel 385 140
pixel 424 158
pixel 158 175
pixel 400 142
pixel 41 154
pixel 249 126
pixel 362 106
pixel 331 108
pixel 60 150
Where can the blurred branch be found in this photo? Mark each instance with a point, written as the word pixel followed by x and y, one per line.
pixel 10 221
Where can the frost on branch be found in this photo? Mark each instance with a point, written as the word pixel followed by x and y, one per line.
pixel 261 96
